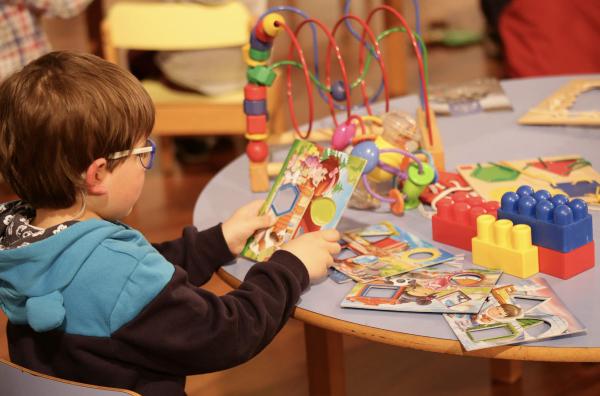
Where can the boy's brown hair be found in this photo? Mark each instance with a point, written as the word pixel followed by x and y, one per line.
pixel 59 114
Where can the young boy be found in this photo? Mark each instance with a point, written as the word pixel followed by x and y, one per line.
pixel 88 298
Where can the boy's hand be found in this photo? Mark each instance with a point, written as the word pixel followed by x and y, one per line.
pixel 316 251
pixel 243 223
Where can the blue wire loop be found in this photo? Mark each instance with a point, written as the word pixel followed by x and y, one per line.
pixel 356 35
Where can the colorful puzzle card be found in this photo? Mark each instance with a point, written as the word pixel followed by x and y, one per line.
pixel 524 312
pixel 571 175
pixel 475 96
pixel 384 250
pixel 310 193
pixel 439 289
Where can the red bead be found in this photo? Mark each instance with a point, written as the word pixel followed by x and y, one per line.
pixel 260 34
pixel 255 92
pixel 257 151
pixel 256 123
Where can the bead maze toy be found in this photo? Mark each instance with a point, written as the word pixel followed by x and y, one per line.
pixel 391 155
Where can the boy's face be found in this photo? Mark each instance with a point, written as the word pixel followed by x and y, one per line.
pixel 124 186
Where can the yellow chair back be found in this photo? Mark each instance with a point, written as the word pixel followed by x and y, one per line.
pixel 177 26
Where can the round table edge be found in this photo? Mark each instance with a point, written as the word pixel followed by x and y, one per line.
pixel 431 344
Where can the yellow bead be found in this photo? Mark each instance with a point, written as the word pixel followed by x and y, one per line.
pixel 269 26
pixel 249 61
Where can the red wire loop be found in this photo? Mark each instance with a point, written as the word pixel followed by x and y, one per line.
pixel 294 44
pixel 363 86
pixel 331 43
pixel 419 61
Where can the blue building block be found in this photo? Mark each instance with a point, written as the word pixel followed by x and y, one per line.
pixel 556 223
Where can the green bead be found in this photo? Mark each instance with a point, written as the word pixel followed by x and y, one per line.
pixel 261 75
pixel 424 178
pixel 416 183
pixel 258 55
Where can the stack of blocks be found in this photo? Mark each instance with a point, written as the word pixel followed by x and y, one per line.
pixel 503 246
pixel 561 229
pixel 455 221
pixel 259 76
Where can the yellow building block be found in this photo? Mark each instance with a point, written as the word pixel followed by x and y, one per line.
pixel 500 245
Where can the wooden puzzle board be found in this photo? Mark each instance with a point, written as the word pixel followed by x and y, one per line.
pixel 554 110
pixel 555 174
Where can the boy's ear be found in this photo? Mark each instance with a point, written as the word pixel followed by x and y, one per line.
pixel 95 176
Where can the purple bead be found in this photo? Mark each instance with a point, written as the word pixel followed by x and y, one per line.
pixel 509 202
pixel 338 91
pixel 255 107
pixel 259 45
pixel 563 215
pixel 369 151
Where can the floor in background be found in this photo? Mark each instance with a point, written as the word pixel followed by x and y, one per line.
pixel 371 368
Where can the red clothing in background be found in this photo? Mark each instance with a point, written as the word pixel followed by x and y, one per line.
pixel 548 37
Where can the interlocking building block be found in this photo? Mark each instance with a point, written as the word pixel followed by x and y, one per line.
pixel 567 265
pixel 455 222
pixel 556 222
pixel 501 245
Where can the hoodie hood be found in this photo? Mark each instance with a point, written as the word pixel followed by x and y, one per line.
pixel 36 264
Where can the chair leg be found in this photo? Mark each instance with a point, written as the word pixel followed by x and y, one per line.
pixel 166 153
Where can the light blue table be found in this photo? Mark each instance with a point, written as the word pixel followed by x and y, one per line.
pixel 491 136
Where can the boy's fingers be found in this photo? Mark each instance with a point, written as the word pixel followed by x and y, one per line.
pixel 333 248
pixel 331 235
pixel 264 221
pixel 254 206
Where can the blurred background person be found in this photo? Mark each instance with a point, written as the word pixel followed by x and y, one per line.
pixel 22 38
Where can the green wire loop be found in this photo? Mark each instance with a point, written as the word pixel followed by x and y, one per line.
pixel 370 57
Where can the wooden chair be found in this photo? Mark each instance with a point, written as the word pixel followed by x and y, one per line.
pixel 184 26
pixel 19 381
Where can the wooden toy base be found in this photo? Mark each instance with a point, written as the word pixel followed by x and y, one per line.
pixel 435 148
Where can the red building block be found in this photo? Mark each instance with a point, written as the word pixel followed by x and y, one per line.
pixel 566 265
pixel 455 222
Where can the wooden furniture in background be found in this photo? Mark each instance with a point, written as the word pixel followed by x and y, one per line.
pixel 184 26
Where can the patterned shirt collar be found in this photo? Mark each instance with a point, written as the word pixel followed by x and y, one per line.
pixel 18 232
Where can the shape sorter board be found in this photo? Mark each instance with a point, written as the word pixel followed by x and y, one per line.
pixel 524 312
pixel 439 289
pixel 383 250
pixel 571 175
pixel 310 193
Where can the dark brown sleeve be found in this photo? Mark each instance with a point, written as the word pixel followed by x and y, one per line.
pixel 187 330
pixel 199 253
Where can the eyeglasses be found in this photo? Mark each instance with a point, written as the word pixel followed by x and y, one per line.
pixel 145 154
